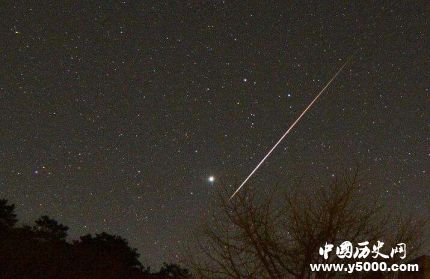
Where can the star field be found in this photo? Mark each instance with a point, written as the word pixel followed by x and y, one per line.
pixel 115 116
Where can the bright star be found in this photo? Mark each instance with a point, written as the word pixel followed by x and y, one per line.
pixel 211 179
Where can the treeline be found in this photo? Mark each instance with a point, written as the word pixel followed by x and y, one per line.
pixel 41 251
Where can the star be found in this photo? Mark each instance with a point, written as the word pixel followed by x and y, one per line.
pixel 211 179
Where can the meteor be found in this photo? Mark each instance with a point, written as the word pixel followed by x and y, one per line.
pixel 292 125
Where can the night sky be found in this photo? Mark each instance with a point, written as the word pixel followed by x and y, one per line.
pixel 114 115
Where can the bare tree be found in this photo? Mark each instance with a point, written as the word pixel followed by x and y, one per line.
pixel 258 238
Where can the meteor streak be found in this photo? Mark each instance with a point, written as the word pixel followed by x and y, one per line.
pixel 292 125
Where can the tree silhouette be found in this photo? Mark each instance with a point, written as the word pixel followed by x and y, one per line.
pixel 41 251
pixel 174 271
pixel 108 245
pixel 7 215
pixel 50 228
pixel 256 238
